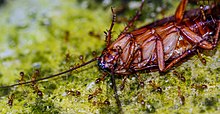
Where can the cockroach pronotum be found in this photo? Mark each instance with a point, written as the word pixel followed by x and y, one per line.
pixel 159 45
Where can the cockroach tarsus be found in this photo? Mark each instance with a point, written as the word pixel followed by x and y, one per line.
pixel 159 45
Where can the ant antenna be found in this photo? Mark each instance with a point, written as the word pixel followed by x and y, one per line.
pixel 51 76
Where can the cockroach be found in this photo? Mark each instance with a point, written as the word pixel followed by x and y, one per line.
pixel 159 45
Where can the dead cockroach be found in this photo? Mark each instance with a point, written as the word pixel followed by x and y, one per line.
pixel 159 45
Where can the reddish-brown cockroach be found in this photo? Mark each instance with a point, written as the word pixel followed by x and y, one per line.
pixel 159 45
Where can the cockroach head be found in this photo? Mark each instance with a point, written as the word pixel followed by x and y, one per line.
pixel 107 61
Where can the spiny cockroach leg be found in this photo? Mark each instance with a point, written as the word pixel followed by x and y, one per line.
pixel 216 37
pixel 10 99
pixel 200 57
pixel 136 17
pixel 118 102
pixel 108 34
pixel 180 11
pixel 160 52
pixel 182 98
pixel 172 63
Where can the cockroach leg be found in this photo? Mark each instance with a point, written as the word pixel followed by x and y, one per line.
pixel 201 58
pixel 216 37
pixel 118 102
pixel 172 63
pixel 131 22
pixel 180 11
pixel 160 53
pixel 108 34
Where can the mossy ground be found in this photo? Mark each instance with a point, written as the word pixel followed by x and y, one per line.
pixel 51 35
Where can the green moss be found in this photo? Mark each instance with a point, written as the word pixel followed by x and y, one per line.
pixel 51 35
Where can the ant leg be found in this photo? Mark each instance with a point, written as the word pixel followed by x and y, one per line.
pixel 116 93
pixel 201 58
pixel 108 34
pixel 131 22
pixel 180 11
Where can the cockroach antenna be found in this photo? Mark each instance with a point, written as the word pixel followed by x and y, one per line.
pixel 51 76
